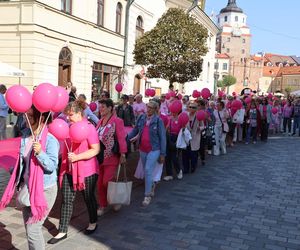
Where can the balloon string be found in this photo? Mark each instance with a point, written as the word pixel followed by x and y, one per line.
pixel 30 126
pixel 67 146
pixel 38 129
pixel 45 124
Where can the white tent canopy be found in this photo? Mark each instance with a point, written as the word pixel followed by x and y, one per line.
pixel 10 71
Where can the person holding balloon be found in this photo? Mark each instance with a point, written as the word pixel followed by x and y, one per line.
pixel 195 125
pixel 173 129
pixel 79 169
pixel 221 128
pixel 151 135
pixel 111 132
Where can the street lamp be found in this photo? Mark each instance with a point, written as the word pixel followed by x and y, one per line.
pixel 216 77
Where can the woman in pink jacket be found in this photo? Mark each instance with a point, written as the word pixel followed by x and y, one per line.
pixel 111 130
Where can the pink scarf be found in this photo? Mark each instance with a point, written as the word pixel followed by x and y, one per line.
pixel 38 203
pixel 77 170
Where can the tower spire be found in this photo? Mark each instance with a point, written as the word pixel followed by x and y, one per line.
pixel 231 7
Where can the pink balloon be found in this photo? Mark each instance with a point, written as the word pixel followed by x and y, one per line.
pixel 271 102
pixel 93 106
pixel 274 111
pixel 237 104
pixel 270 96
pixel 248 100
pixel 119 87
pixel 196 94
pixel 175 107
pixel 168 96
pixel 18 98
pixel 60 129
pixel 152 92
pixel 147 92
pixel 44 97
pixel 205 93
pixel 62 99
pixel 233 93
pixel 183 119
pixel 172 93
pixel 179 96
pixel 79 131
pixel 200 115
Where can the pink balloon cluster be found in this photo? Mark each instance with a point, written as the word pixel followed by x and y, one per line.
pixel 46 97
pixel 236 104
pixel 59 128
pixel 274 111
pixel 150 92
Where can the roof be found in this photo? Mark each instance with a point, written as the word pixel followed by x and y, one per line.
pixel 276 59
pixel 231 7
pixel 296 59
pixel 270 71
pixel 222 56
pixel 292 70
pixel 257 58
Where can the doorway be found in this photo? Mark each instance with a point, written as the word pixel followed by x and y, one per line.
pixel 64 67
pixel 137 84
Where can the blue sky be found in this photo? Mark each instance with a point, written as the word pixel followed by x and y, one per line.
pixel 275 25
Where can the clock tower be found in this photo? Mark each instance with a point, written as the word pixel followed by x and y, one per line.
pixel 234 37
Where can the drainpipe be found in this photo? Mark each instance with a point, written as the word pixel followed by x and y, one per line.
pixel 129 3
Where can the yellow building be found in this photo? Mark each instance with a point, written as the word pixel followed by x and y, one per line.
pixel 62 41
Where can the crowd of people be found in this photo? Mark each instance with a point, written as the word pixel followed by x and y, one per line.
pixel 169 147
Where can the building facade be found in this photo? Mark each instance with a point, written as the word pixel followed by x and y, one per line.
pixel 234 39
pixel 63 42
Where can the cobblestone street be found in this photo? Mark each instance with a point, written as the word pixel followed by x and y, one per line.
pixel 247 199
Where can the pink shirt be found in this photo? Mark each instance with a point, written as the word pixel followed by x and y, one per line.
pixel 139 108
pixel 91 166
pixel 145 145
pixel 165 119
pixel 174 126
pixel 164 109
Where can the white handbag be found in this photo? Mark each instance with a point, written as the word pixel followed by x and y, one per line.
pixel 23 197
pixel 119 193
pixel 183 139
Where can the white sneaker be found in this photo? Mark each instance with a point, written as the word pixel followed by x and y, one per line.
pixel 146 201
pixel 116 208
pixel 209 152
pixel 180 175
pixel 168 178
pixel 254 142
pixel 246 143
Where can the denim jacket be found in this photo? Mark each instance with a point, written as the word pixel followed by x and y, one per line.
pixel 157 132
pixel 48 160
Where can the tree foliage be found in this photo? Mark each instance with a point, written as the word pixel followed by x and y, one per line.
pixel 173 49
pixel 228 80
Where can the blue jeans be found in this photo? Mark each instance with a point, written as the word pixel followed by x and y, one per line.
pixel 149 161
pixel 296 124
pixel 189 160
pixel 251 130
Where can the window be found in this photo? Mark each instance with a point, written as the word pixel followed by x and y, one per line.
pixel 100 14
pixel 243 51
pixel 66 6
pixel 236 18
pixel 118 18
pixel 139 27
pixel 227 50
pixel 216 66
pixel 228 39
pixel 225 18
pixel 218 20
pixel 243 20
pixel 244 40
pixel 224 66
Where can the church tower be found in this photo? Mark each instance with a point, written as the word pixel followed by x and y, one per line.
pixel 234 38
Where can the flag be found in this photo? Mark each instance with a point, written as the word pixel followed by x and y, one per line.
pixel 9 152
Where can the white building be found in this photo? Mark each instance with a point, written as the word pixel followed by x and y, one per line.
pixel 150 12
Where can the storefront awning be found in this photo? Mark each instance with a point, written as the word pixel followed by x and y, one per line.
pixel 10 71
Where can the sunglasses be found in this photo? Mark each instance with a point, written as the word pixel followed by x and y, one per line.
pixel 149 107
pixel 192 107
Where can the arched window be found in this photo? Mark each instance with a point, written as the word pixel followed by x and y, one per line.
pixel 236 18
pixel 100 12
pixel 225 18
pixel 139 27
pixel 118 18
pixel 66 6
pixel 64 64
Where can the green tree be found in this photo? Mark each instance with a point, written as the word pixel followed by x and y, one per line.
pixel 288 90
pixel 173 49
pixel 228 81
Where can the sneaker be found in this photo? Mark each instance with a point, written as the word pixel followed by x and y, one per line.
pixel 116 208
pixel 168 178
pixel 180 175
pixel 146 201
pixel 254 142
pixel 246 143
pixel 209 152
